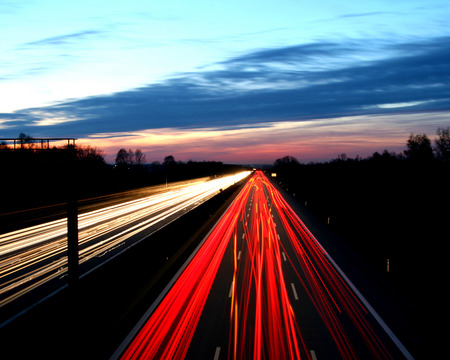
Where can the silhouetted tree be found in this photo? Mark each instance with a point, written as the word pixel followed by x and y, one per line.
pixel 89 153
pixel 419 148
pixel 139 157
pixel 386 156
pixel 286 162
pixel 169 161
pixel 131 157
pixel 122 158
pixel 442 145
pixel 26 140
pixel 285 168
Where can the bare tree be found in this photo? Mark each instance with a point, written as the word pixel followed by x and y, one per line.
pixel 131 158
pixel 26 140
pixel 139 157
pixel 442 145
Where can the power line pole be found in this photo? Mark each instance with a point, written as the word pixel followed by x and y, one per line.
pixel 72 218
pixel 72 241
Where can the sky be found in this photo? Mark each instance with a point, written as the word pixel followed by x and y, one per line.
pixel 235 81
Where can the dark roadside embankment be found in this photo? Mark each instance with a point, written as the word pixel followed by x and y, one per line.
pixel 91 322
pixel 393 213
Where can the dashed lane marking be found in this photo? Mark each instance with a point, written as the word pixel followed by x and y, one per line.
pixel 294 291
pixel 231 289
pixel 217 353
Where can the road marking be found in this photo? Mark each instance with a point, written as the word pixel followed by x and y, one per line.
pixel 294 291
pixel 284 256
pixel 217 353
pixel 313 355
pixel 231 289
pixel 239 255
pixel 278 236
pixel 243 235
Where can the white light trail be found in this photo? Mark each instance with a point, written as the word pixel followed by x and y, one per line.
pixel 34 255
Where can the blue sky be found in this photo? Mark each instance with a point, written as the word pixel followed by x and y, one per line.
pixel 239 81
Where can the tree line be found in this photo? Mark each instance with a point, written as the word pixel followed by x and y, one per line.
pixel 387 207
pixel 418 149
pixel 130 158
pixel 33 175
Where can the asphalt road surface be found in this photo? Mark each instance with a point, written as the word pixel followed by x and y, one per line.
pixel 261 286
pixel 35 257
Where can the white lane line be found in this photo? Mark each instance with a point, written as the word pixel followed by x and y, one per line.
pixel 239 255
pixel 231 289
pixel 313 355
pixel 284 256
pixel 217 353
pixel 243 236
pixel 278 236
pixel 294 291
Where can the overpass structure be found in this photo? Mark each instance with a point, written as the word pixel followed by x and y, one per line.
pixel 20 142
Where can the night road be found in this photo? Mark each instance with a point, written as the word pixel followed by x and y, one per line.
pixel 37 255
pixel 260 286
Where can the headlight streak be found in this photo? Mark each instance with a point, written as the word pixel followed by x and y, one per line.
pixel 35 255
pixel 262 323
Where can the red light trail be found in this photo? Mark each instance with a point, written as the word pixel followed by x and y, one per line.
pixel 168 332
pixel 262 320
pixel 270 326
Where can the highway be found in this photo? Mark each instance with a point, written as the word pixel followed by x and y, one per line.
pixel 261 286
pixel 37 255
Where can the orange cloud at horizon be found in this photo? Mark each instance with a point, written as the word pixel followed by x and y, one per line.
pixel 311 140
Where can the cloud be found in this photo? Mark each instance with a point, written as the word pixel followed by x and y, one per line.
pixel 296 54
pixel 302 82
pixel 308 140
pixel 62 39
pixel 373 13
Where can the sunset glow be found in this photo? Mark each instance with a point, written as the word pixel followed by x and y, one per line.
pixel 307 79
pixel 309 140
